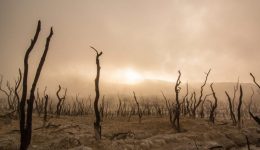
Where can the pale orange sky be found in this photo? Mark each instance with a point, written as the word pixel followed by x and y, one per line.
pixel 141 39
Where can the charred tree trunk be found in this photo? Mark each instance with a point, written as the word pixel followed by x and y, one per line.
pixel 119 107
pixel 45 109
pixel 257 119
pixel 26 123
pixel 184 110
pixel 97 125
pixel 202 114
pixel 234 95
pixel 17 85
pixel 196 104
pixel 232 115
pixel 139 111
pixel 7 93
pixel 60 101
pixel 214 106
pixel 169 108
pixel 176 120
pixel 239 107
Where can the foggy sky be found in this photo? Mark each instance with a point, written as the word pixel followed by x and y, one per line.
pixel 154 38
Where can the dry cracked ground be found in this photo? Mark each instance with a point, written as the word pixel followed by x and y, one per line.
pixel 76 133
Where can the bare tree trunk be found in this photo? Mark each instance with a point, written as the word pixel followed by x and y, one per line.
pixel 196 104
pixel 176 120
pixel 257 120
pixel 7 93
pixel 202 115
pixel 119 107
pixel 17 85
pixel 239 107
pixel 139 111
pixel 97 125
pixel 45 109
pixel 60 101
pixel 254 80
pixel 26 127
pixel 184 110
pixel 234 96
pixel 232 115
pixel 170 111
pixel 214 107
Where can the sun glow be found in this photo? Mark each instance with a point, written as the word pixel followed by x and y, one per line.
pixel 130 76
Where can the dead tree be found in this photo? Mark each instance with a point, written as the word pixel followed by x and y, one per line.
pixel 232 115
pixel 39 103
pixel 119 107
pixel 139 111
pixel 235 92
pixel 50 106
pixel 176 119
pixel 202 115
pixel 254 80
pixel 184 110
pixel 257 119
pixel 7 93
pixel 97 125
pixel 189 103
pixel 214 106
pixel 196 104
pixel 46 96
pixel 60 101
pixel 17 85
pixel 169 108
pixel 26 123
pixel 239 107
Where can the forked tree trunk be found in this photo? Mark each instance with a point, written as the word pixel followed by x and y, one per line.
pixel 26 123
pixel 196 104
pixel 97 125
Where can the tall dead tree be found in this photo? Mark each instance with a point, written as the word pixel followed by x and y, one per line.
pixel 139 111
pixel 60 100
pixel 39 103
pixel 232 115
pixel 236 87
pixel 26 123
pixel 46 96
pixel 17 85
pixel 119 107
pixel 97 125
pixel 239 107
pixel 257 119
pixel 202 115
pixel 196 104
pixel 176 119
pixel 169 108
pixel 8 93
pixel 254 80
pixel 214 106
pixel 185 98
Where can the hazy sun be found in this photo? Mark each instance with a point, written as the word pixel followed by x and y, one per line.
pixel 131 76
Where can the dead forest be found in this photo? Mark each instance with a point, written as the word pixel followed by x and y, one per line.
pixel 27 111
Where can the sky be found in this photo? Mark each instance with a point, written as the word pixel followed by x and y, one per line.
pixel 140 39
